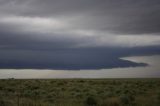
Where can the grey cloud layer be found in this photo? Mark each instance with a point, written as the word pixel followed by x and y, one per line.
pixel 125 17
pixel 77 34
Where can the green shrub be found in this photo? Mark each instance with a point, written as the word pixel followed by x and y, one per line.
pixel 2 103
pixel 111 102
pixel 125 99
pixel 91 101
pixel 158 97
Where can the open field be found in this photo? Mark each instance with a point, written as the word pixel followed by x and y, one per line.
pixel 80 92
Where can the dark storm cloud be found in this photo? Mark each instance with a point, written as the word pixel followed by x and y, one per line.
pixel 125 16
pixel 77 34
pixel 13 40
pixel 72 59
pixel 65 60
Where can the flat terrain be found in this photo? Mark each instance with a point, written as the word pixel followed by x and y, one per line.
pixel 80 92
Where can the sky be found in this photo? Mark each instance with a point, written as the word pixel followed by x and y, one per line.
pixel 77 34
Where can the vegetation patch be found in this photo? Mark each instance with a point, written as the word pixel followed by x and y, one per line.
pixel 80 92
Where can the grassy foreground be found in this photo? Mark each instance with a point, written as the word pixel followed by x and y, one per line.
pixel 80 92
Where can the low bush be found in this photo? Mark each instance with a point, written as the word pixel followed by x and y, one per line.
pixel 91 101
